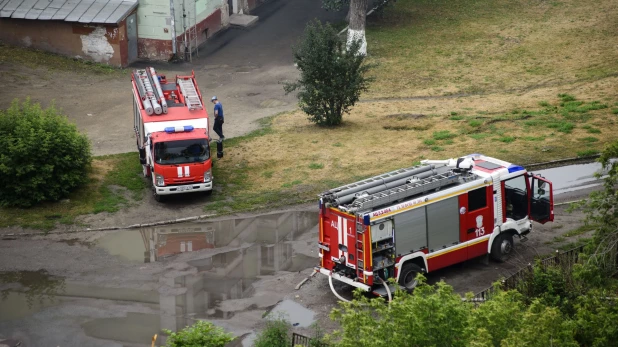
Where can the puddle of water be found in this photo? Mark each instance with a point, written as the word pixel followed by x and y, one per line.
pixel 297 314
pixel 136 328
pixel 156 243
pixel 572 177
pixel 36 290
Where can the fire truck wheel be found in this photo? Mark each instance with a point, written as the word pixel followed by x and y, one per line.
pixel 502 247
pixel 407 279
pixel 157 197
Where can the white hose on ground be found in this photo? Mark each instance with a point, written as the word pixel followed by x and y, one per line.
pixel 330 282
pixel 388 290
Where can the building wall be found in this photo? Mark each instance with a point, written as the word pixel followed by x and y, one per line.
pixel 155 24
pixel 100 43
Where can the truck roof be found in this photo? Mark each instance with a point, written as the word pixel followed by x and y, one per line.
pixel 405 185
pixel 182 97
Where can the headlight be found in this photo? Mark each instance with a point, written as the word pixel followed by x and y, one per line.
pixel 160 182
pixel 207 176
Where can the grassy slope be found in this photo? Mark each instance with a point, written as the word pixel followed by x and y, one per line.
pixel 512 58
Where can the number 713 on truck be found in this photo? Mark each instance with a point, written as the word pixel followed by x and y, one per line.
pixel 426 217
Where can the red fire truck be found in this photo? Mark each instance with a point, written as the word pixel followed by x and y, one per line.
pixel 427 217
pixel 171 128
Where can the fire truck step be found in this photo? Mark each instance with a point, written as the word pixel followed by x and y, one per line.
pixel 381 291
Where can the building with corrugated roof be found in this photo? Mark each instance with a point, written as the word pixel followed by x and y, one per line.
pixel 104 31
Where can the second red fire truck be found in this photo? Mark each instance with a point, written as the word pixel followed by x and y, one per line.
pixel 427 217
pixel 171 127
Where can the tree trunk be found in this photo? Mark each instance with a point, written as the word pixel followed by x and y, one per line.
pixel 358 13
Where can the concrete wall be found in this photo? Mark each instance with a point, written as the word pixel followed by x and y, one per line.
pixel 155 24
pixel 100 43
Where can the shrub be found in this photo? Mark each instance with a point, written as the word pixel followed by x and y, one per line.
pixel 275 334
pixel 199 334
pixel 331 76
pixel 44 156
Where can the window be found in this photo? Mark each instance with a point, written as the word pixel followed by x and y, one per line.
pixel 477 199
pixel 516 198
pixel 182 152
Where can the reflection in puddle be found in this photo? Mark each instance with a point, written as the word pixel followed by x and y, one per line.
pixel 572 177
pixel 156 243
pixel 36 287
pixel 254 247
pixel 293 312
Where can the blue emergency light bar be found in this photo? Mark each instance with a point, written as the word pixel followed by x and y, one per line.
pixel 515 168
pixel 179 129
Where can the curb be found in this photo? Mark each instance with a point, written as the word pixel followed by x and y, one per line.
pixel 132 226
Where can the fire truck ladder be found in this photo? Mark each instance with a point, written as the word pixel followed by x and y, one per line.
pixel 192 98
pixel 345 194
pixel 394 194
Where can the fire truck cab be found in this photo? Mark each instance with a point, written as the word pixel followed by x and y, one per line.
pixel 427 217
pixel 171 128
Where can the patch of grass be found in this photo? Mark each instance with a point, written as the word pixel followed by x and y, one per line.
pixel 534 138
pixel 443 135
pixel 506 139
pixel 316 166
pixel 587 153
pixel 34 58
pixel 559 239
pixel 475 123
pixel 562 126
pixel 437 149
pixel 479 136
pixel 544 103
pixel 580 230
pixel 338 144
pixel 589 139
pixel 456 117
pixel 429 142
pixel 114 181
pixel 291 184
pixel 267 174
pixel 615 111
pixel 566 97
pixel 571 245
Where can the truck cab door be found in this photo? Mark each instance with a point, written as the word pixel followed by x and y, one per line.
pixel 541 198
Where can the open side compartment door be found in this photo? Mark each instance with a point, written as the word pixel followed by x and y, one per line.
pixel 541 198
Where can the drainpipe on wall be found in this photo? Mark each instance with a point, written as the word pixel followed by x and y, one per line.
pixel 173 15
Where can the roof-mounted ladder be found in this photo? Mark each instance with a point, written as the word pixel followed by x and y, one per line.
pixel 192 98
pixel 401 192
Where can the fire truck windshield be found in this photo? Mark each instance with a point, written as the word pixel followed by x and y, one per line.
pixel 181 152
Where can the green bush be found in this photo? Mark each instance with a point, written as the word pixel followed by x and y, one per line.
pixel 44 157
pixel 275 334
pixel 332 76
pixel 199 334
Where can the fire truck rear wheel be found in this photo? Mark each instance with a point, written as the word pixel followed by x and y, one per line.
pixel 407 279
pixel 502 247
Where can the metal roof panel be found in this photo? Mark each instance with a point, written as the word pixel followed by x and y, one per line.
pixel 23 8
pixel 33 14
pixel 79 10
pixel 41 4
pixel 122 11
pixel 92 11
pixel 66 8
pixel 106 11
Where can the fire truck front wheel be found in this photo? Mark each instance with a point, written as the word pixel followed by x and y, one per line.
pixel 407 279
pixel 157 197
pixel 502 247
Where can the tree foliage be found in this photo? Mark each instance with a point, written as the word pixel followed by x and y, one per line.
pixel 43 156
pixel 275 334
pixel 602 212
pixel 199 334
pixel 331 76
